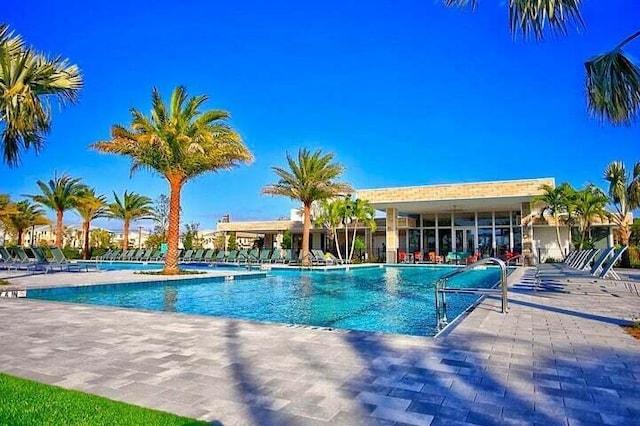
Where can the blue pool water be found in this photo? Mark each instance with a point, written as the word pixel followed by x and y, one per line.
pixel 390 299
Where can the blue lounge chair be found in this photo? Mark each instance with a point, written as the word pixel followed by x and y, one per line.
pixel 607 269
pixel 597 265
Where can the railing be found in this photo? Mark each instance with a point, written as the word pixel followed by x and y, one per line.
pixel 441 290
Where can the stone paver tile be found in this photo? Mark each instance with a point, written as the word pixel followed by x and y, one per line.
pixel 384 401
pixel 407 417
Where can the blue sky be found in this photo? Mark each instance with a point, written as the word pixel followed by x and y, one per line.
pixel 403 93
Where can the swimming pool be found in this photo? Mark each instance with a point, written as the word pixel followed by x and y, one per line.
pixel 389 299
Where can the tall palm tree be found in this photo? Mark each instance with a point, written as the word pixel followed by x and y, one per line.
pixel 181 142
pixel 132 207
pixel 612 78
pixel 362 212
pixel 556 203
pixel 26 216
pixel 60 194
pixel 28 80
pixel 589 203
pixel 90 207
pixel 624 194
pixel 311 177
pixel 330 217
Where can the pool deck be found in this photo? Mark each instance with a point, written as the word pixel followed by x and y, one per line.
pixel 559 357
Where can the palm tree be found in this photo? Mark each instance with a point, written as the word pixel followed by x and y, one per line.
pixel 310 178
pixel 90 207
pixel 132 207
pixel 624 194
pixel 26 216
pixel 60 194
pixel 556 203
pixel 180 142
pixel 363 212
pixel 28 80
pixel 330 217
pixel 612 78
pixel 589 203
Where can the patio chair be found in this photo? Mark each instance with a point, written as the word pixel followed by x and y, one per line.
pixel 265 256
pixel 242 257
pixel 607 269
pixel 60 259
pixel 231 257
pixel 103 255
pixel 197 256
pixel 7 260
pixel 597 264
pixel 137 255
pixel 434 258
pixel 23 260
pixel 187 256
pixel 402 256
pixel 253 256
pixel 220 256
pixel 146 256
pixel 208 255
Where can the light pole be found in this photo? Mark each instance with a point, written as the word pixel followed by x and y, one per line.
pixel 139 236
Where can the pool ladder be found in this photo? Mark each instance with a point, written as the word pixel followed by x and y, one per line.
pixel 441 288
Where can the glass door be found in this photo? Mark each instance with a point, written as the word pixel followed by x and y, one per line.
pixel 465 239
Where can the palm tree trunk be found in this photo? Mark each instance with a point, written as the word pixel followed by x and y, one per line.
pixel 346 241
pixel 353 241
pixel 125 234
pixel 85 248
pixel 625 236
pixel 335 239
pixel 59 216
pixel 173 233
pixel 305 235
pixel 558 237
pixel 20 237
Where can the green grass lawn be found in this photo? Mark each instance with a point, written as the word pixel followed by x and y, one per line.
pixel 24 402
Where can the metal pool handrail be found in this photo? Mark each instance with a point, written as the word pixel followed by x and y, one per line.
pixel 441 289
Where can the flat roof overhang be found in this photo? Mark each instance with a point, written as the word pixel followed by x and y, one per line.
pixel 455 205
pixel 261 227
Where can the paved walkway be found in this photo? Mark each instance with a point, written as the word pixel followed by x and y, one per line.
pixel 558 358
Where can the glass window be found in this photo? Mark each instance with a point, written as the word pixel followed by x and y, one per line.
pixel 502 241
pixel 414 240
pixel 402 239
pixel 485 242
pixel 516 218
pixel 429 240
pixel 502 218
pixel 444 219
pixel 429 220
pixel 464 219
pixel 444 234
pixel 517 239
pixel 485 219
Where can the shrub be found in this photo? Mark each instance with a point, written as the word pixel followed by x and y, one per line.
pixel 634 256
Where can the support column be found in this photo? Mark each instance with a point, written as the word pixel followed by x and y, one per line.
pixel 391 235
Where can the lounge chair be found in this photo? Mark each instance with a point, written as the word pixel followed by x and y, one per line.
pixel 146 256
pixel 208 256
pixel 318 257
pixel 103 255
pixel 115 254
pixel 231 256
pixel 23 260
pixel 7 260
pixel 197 256
pixel 158 255
pixel 60 259
pixel 253 256
pixel 607 268
pixel 137 255
pixel 242 257
pixel 265 256
pixel 599 262
pixel 221 256
pixel 186 257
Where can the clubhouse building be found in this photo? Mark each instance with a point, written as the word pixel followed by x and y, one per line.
pixel 494 218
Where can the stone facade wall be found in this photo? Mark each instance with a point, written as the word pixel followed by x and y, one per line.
pixel 514 188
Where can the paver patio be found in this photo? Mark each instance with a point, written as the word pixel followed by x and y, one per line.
pixel 558 357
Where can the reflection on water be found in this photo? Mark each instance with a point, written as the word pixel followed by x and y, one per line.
pixel 392 280
pixel 170 299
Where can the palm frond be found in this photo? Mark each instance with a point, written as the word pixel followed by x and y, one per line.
pixel 473 4
pixel 613 87
pixel 533 18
